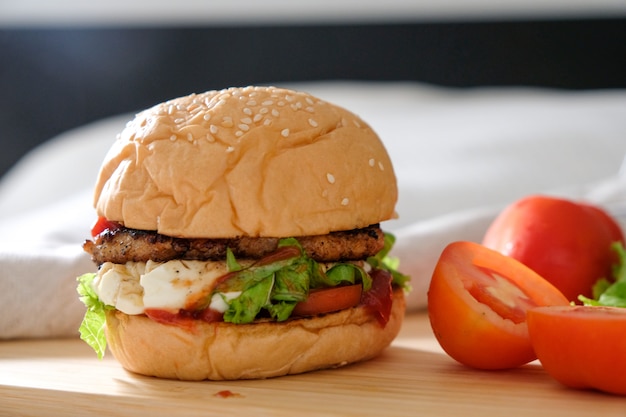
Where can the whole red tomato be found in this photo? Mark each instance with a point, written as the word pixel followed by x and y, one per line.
pixel 566 242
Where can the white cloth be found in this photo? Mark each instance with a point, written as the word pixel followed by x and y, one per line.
pixel 459 155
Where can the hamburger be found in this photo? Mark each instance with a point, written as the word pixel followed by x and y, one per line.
pixel 238 237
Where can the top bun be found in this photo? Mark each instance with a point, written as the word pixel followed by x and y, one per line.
pixel 253 161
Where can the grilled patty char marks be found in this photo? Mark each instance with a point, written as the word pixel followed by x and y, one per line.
pixel 130 245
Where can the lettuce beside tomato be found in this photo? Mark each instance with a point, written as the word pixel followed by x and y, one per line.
pixel 611 291
pixel 275 287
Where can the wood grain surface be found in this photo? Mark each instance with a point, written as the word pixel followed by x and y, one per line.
pixel 413 377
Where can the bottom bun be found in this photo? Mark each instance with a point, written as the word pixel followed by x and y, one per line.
pixel 224 351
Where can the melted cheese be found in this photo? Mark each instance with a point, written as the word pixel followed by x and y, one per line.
pixel 173 285
pixel 136 286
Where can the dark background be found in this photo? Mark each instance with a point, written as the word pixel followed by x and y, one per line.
pixel 54 79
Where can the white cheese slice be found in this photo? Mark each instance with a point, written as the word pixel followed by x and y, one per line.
pixel 173 285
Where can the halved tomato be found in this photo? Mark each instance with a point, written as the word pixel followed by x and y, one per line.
pixel 329 299
pixel 581 346
pixel 477 304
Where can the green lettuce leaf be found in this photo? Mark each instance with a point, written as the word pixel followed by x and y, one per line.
pixel 611 291
pixel 278 286
pixel 92 327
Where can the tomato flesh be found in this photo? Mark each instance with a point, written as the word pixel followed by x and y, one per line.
pixel 328 300
pixel 477 304
pixel 503 296
pixel 581 346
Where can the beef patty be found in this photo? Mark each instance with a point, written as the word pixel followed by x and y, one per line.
pixel 130 245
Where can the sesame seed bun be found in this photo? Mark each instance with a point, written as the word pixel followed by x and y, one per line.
pixel 254 161
pixel 224 351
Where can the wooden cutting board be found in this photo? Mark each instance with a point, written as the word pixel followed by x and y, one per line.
pixel 413 377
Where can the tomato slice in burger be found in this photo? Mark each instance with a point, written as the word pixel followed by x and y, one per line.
pixel 327 300
pixel 103 224
pixel 477 304
pixel 581 346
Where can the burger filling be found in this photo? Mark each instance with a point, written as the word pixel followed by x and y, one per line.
pixel 179 280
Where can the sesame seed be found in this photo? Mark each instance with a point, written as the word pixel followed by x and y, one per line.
pixel 312 122
pixel 210 138
pixel 230 149
pixel 246 120
pixel 310 109
pixel 173 138
pixel 213 129
pixel 227 122
pixel 289 97
pixel 275 113
pixel 179 120
pixel 263 110
pixel 207 116
pixel 371 162
pixel 247 111
pixel 309 100
pixel 267 122
pixel 244 127
pixel 280 103
pixel 257 117
pixel 268 102
pixel 170 109
pixel 189 137
pixel 357 124
pixel 380 165
pixel 239 133
pixel 251 102
pixel 284 133
pixel 330 177
pixel 345 201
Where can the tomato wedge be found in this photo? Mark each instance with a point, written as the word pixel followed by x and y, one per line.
pixel 477 304
pixel 328 300
pixel 581 346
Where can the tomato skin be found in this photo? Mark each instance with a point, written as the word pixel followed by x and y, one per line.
pixel 566 242
pixel 581 346
pixel 103 224
pixel 328 300
pixel 471 331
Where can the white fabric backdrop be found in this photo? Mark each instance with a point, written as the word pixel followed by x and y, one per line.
pixel 459 155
